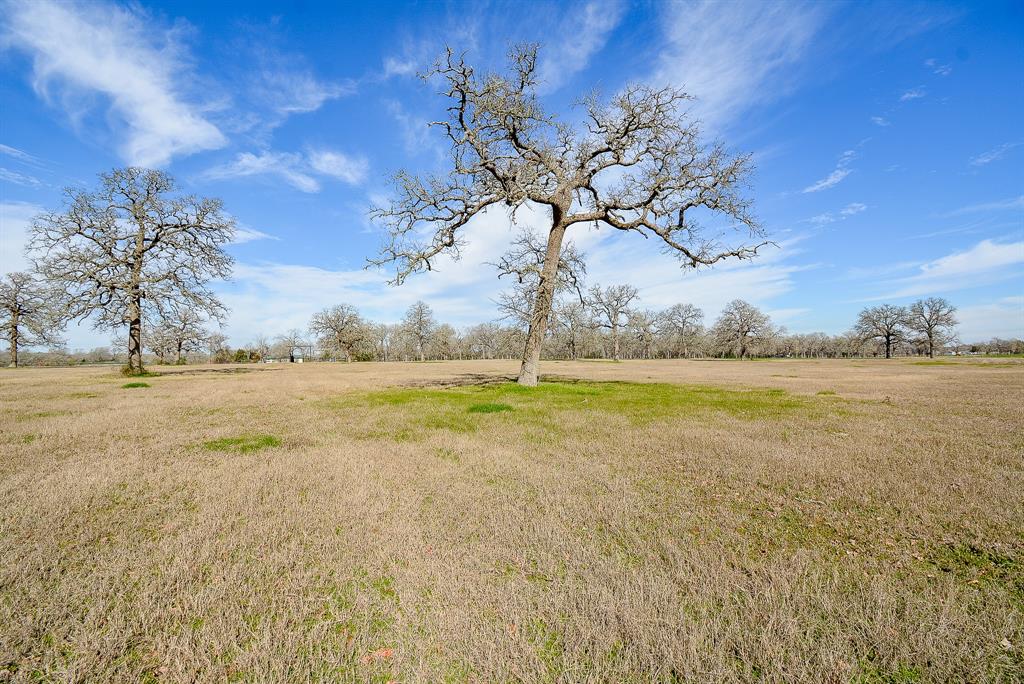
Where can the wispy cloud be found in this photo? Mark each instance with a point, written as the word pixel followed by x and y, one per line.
pixel 841 171
pixel 937 68
pixel 244 234
pixel 15 218
pixel 126 57
pixel 296 91
pixel 734 56
pixel 286 166
pixel 20 155
pixel 880 121
pixel 999 205
pixel 348 169
pixel 19 178
pixel 985 263
pixel 993 154
pixel 415 130
pixel 913 94
pixel 846 212
pixel 1001 318
pixel 590 26
pixel 295 169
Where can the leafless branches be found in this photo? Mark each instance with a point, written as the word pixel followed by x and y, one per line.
pixel 637 165
pixel 131 248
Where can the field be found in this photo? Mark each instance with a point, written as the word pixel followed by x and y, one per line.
pixel 662 521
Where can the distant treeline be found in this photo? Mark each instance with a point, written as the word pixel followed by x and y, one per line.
pixel 341 334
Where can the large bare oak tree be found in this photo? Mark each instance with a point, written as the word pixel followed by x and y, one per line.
pixel 885 323
pixel 636 164
pixel 934 320
pixel 133 248
pixel 29 313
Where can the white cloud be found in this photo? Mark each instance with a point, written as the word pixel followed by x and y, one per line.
pixel 993 154
pixel 880 121
pixel 985 263
pixel 393 66
pixel 19 178
pixel 852 209
pixel 245 234
pixel 1001 318
pixel 287 166
pixel 733 56
pixel 15 218
pixel 271 298
pixel 415 130
pixel 20 155
pixel 351 170
pixel 846 212
pixel 298 91
pixel 913 94
pixel 999 205
pixel 116 52
pixel 589 26
pixel 841 171
pixel 940 69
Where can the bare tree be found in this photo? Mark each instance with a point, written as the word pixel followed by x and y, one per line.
pixel 260 347
pixel 934 320
pixel 740 325
pixel 682 322
pixel 290 341
pixel 178 332
pixel 340 328
pixel 885 323
pixel 636 165
pixel 28 314
pixel 611 306
pixel 217 346
pixel 642 325
pixel 574 321
pixel 130 247
pixel 419 325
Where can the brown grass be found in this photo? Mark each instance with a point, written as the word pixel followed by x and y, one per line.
pixel 778 521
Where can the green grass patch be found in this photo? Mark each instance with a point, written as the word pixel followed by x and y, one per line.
pixel 245 444
pixel 489 408
pixel 134 385
pixel 412 413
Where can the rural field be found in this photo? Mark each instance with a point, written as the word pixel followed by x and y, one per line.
pixel 645 521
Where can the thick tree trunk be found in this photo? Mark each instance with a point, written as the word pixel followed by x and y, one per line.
pixel 14 347
pixel 529 370
pixel 888 348
pixel 135 338
pixel 615 342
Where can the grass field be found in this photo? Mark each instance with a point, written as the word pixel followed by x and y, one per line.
pixel 663 521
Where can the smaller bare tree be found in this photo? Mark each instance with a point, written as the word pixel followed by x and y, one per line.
pixel 28 315
pixel 934 319
pixel 611 306
pixel 178 332
pixel 419 326
pixel 741 325
pixel 886 324
pixel 131 249
pixel 642 325
pixel 683 323
pixel 339 328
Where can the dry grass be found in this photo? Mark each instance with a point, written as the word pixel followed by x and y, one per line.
pixel 778 521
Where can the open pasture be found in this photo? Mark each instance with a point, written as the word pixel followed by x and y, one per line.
pixel 670 521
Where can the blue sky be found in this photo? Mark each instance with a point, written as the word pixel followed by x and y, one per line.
pixel 888 139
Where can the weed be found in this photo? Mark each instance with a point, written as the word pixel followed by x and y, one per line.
pixel 134 385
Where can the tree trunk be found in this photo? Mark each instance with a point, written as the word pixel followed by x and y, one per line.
pixel 529 370
pixel 888 348
pixel 14 347
pixel 135 337
pixel 615 342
